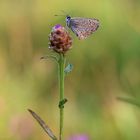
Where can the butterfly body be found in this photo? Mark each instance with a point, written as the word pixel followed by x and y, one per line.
pixel 82 27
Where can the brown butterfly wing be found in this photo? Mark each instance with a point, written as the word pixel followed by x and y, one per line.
pixel 83 27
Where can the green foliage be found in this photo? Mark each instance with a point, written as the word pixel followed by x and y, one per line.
pixel 130 100
pixel 106 65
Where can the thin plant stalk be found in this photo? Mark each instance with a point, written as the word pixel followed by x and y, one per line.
pixel 61 88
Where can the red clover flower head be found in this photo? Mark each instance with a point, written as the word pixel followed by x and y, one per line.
pixel 59 39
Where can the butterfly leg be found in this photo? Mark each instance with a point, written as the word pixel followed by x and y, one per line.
pixel 67 28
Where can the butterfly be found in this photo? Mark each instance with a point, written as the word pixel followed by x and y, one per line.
pixel 82 27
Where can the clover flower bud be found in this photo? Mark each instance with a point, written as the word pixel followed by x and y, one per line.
pixel 59 39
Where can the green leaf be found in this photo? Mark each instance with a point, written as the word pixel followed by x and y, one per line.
pixel 130 100
pixel 62 102
pixel 54 57
pixel 68 68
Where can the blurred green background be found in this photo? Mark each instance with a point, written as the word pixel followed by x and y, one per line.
pixel 106 66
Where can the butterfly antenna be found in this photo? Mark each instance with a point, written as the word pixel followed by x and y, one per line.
pixel 64 12
pixel 59 15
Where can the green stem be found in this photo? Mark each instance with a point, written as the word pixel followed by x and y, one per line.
pixel 61 88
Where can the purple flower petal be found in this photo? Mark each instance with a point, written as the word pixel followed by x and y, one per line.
pixel 57 26
pixel 79 137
